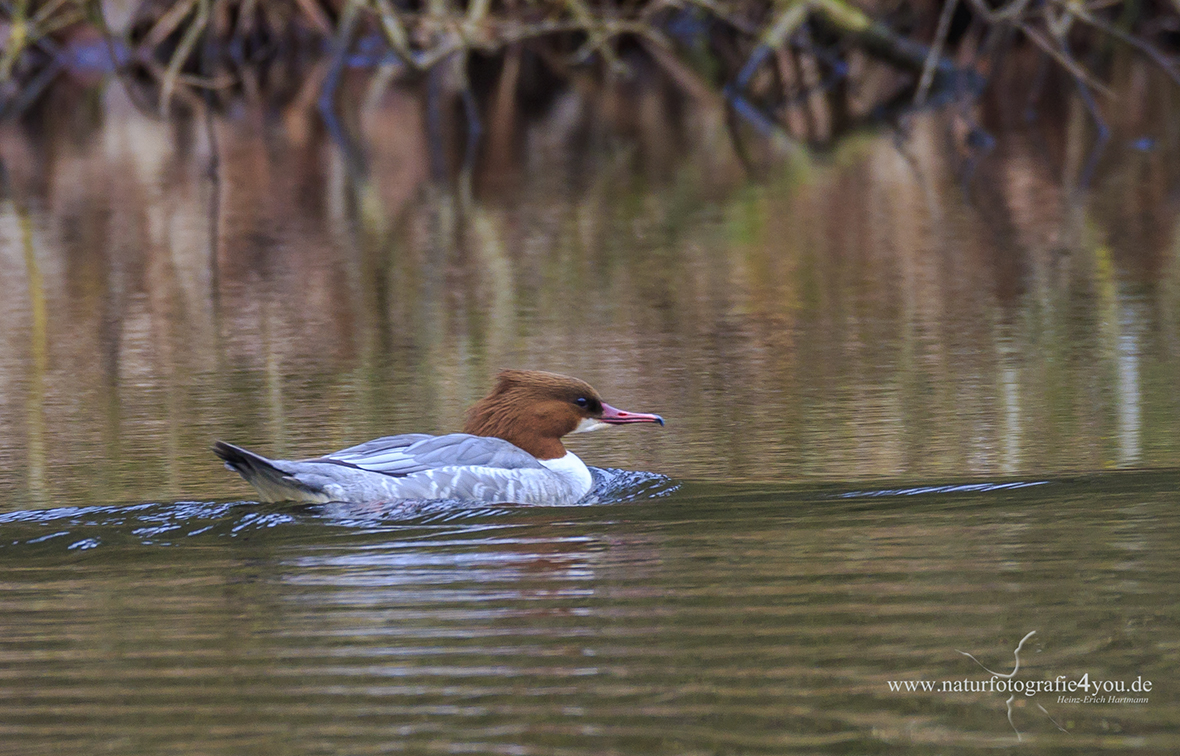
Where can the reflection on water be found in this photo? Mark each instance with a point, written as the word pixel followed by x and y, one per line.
pixel 719 619
pixel 856 317
pixel 850 318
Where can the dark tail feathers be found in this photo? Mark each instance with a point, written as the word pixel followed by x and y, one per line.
pixel 258 471
pixel 244 462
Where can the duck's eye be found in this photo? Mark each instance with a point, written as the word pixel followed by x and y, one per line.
pixel 582 402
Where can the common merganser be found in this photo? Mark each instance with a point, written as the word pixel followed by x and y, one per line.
pixel 510 450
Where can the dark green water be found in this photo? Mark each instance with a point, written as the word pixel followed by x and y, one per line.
pixel 714 619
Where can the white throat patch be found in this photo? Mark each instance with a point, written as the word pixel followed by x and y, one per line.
pixel 590 424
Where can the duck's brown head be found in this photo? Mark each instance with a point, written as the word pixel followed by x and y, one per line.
pixel 534 409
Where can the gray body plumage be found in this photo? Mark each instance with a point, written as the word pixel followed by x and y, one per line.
pixel 415 466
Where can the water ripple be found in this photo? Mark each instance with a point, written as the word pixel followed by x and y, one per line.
pixel 945 489
pixel 168 523
pixel 715 620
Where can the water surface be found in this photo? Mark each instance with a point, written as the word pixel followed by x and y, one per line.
pixel 915 407
pixel 716 619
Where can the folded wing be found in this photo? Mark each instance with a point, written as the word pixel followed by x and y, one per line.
pixel 412 453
